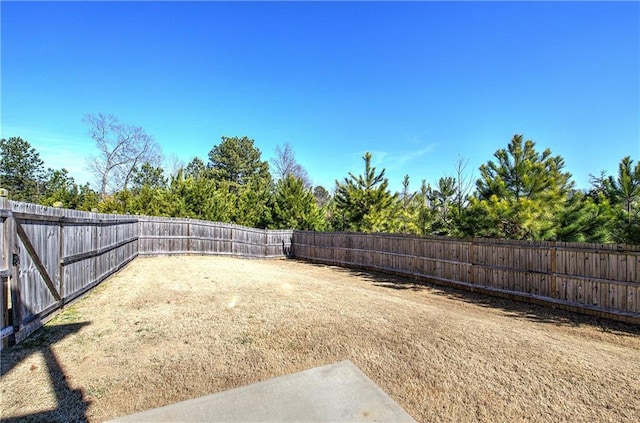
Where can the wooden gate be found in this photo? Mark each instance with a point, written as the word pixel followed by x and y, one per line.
pixel 51 256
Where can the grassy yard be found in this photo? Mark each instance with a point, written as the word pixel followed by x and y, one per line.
pixel 168 329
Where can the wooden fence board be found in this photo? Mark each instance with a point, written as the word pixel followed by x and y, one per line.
pixel 592 278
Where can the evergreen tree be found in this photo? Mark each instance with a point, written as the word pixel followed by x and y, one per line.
pixel 254 204
pixel 585 220
pixel 59 187
pixel 294 206
pixel 148 176
pixel 152 201
pixel 203 198
pixel 443 207
pixel 407 213
pixel 423 209
pixel 89 198
pixel 21 170
pixel 237 160
pixel 321 195
pixel 364 202
pixel 623 192
pixel 522 195
pixel 195 169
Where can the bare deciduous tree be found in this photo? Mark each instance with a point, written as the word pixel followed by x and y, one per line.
pixel 173 163
pixel 121 148
pixel 284 163
pixel 464 182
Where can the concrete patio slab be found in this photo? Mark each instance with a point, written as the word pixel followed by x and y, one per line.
pixel 338 392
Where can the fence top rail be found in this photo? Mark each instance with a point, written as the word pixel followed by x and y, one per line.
pixel 29 211
pixel 161 219
pixel 39 212
pixel 558 245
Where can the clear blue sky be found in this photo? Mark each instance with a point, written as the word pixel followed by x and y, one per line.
pixel 417 83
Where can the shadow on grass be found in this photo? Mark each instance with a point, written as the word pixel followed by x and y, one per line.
pixel 522 310
pixel 71 405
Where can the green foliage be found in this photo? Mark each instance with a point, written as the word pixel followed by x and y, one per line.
pixel 89 199
pixel 294 206
pixel 585 220
pixel 195 168
pixel 364 202
pixel 59 187
pixel 153 201
pixel 522 172
pixel 201 198
pixel 21 170
pixel 424 214
pixel 148 176
pixel 321 196
pixel 253 207
pixel 444 207
pixel 407 210
pixel 623 192
pixel 236 160
pixel 522 195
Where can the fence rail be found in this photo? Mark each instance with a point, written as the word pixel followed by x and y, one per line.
pixel 597 279
pixel 51 256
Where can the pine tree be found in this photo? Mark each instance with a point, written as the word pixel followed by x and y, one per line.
pixel 585 220
pixel 253 207
pixel 423 208
pixel 407 209
pixel 522 195
pixel 238 161
pixel 443 204
pixel 294 206
pixel 21 170
pixel 623 192
pixel 59 187
pixel 364 202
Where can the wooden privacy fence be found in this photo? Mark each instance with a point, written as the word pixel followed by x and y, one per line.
pixel 50 256
pixel 597 279
pixel 161 235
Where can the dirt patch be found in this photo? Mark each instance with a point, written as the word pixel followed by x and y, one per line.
pixel 168 329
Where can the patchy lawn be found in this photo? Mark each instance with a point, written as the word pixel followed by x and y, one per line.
pixel 168 329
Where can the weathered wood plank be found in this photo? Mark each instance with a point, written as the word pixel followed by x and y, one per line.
pixel 36 260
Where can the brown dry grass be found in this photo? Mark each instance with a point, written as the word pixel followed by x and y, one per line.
pixel 168 329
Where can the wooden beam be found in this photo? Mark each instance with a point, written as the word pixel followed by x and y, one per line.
pixel 554 275
pixel 60 266
pixel 95 253
pixel 36 260
pixel 14 280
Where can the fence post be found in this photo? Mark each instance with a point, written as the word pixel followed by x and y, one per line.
pixel 472 261
pixel 61 269
pixel 552 252
pixel 188 236
pixel 6 268
pixel 14 257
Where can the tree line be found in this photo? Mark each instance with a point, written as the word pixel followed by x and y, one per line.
pixel 521 193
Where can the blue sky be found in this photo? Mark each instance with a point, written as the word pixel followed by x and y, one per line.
pixel 418 84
